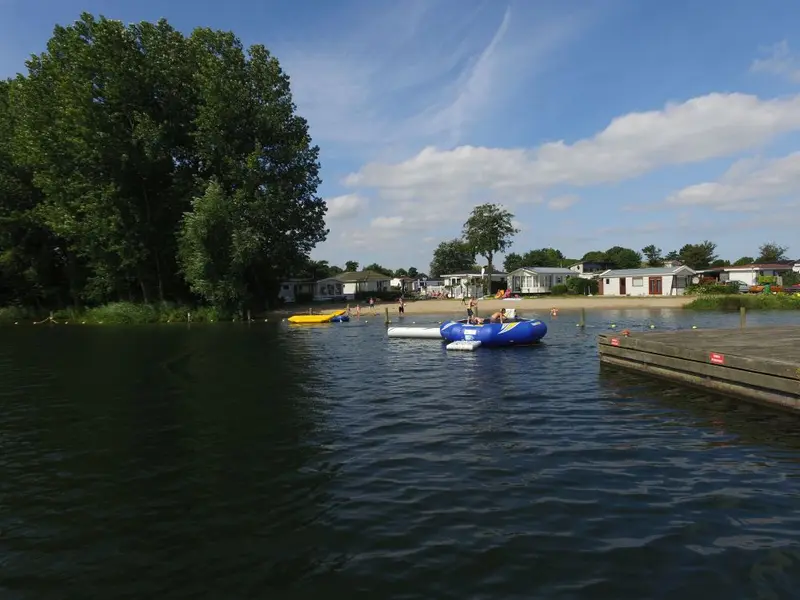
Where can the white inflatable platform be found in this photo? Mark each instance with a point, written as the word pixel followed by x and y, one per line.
pixel 427 333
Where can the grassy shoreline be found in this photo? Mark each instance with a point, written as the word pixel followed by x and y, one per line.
pixel 115 313
pixel 749 301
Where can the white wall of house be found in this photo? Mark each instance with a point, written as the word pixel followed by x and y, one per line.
pixel 529 281
pixel 796 267
pixel 748 275
pixel 464 285
pixel 365 287
pixel 587 270
pixel 671 285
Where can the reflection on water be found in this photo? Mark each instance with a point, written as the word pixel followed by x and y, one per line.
pixel 237 461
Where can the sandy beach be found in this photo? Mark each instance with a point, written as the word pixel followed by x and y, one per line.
pixel 422 307
pixel 529 306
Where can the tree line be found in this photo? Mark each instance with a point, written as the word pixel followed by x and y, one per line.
pixel 322 269
pixel 490 230
pixel 140 164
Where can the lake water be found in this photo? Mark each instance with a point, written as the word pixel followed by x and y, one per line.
pixel 263 461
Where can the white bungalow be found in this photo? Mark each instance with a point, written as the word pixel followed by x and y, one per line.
pixel 538 280
pixel 749 274
pixel 654 281
pixel 589 269
pixel 796 267
pixel 350 283
pixel 464 285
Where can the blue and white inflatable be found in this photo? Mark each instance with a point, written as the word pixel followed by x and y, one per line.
pixel 514 332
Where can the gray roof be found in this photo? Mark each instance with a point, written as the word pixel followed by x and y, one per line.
pixel 360 276
pixel 547 270
pixel 644 272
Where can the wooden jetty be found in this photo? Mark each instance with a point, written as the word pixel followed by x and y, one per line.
pixel 760 364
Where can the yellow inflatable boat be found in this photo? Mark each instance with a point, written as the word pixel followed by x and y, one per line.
pixel 331 317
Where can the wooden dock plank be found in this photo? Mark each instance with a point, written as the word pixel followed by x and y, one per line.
pixel 760 364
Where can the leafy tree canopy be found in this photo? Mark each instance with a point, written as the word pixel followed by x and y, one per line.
pixel 771 253
pixel 653 256
pixel 698 256
pixel 452 256
pixel 489 230
pixel 145 164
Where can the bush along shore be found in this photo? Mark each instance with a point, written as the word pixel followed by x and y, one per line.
pixel 117 313
pixel 748 301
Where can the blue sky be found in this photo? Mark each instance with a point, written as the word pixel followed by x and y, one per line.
pixel 611 122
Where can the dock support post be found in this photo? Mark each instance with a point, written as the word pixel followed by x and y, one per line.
pixel 582 323
pixel 386 317
pixel 742 316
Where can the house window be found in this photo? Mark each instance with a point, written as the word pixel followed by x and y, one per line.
pixel 608 281
pixel 638 281
pixel 558 279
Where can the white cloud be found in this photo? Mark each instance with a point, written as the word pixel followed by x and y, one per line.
pixel 751 184
pixel 386 222
pixel 344 207
pixel 702 128
pixel 562 202
pixel 780 62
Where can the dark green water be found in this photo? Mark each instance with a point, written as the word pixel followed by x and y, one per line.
pixel 235 461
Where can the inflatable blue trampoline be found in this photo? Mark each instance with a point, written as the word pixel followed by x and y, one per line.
pixel 514 332
pixel 340 319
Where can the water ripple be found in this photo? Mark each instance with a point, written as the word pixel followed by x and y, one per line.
pixel 300 462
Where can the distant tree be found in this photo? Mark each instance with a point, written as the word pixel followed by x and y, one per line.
pixel 672 255
pixel 544 257
pixel 595 256
pixel 351 266
pixel 401 273
pixel 412 272
pixel 489 230
pixel 771 253
pixel 315 269
pixel 698 256
pixel 333 271
pixel 452 256
pixel 745 260
pixel 721 262
pixel 379 269
pixel 653 256
pixel 623 258
pixel 512 262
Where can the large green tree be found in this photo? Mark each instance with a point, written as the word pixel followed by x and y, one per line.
pixel 452 256
pixel 771 252
pixel 623 258
pixel 698 256
pixel 543 257
pixel 653 256
pixel 489 230
pixel 147 152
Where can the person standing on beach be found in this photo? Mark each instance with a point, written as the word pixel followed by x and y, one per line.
pixel 372 304
pixel 401 309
